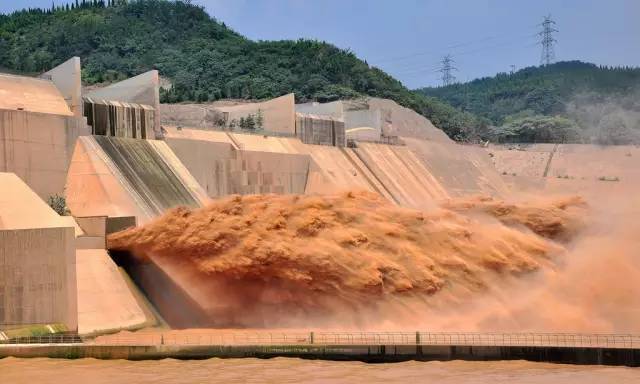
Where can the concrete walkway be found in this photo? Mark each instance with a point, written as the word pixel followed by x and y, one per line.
pixel 367 347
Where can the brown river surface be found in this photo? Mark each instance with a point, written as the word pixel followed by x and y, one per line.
pixel 289 370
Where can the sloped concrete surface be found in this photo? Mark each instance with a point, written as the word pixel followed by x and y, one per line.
pixel 105 302
pixel 460 169
pixel 128 177
pixel 67 78
pixel 402 174
pixel 413 175
pixel 96 188
pixel 146 171
pixel 31 95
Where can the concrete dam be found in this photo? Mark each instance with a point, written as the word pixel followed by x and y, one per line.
pixel 148 173
pixel 322 209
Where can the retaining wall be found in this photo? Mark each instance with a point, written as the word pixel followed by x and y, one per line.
pixel 365 353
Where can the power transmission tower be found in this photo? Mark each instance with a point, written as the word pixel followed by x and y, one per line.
pixel 513 69
pixel 547 40
pixel 446 69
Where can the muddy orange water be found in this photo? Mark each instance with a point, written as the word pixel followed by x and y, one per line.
pixel 348 261
pixel 283 370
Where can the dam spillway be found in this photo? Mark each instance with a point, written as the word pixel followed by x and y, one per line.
pixel 150 175
pixel 116 177
pixel 122 178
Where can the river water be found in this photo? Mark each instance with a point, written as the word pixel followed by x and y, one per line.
pixel 290 370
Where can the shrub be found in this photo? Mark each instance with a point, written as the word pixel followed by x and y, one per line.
pixel 59 204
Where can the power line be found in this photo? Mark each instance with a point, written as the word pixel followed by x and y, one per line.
pixel 414 71
pixel 547 41
pixel 446 65
pixel 447 69
pixel 424 53
pixel 427 72
pixel 422 68
pixel 433 52
pixel 416 66
pixel 513 42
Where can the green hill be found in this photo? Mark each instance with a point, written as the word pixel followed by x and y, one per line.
pixel 567 101
pixel 204 59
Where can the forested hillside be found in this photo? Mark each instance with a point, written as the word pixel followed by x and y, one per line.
pixel 203 59
pixel 563 102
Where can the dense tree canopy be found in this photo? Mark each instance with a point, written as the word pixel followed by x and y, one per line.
pixel 597 104
pixel 538 129
pixel 542 90
pixel 203 59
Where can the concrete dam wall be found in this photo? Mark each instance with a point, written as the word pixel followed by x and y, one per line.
pixel 147 172
pixel 226 163
pixel 412 175
pixel 117 177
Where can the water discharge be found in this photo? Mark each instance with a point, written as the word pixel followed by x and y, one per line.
pixel 354 261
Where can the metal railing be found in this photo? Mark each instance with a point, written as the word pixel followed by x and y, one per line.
pixel 376 338
pixel 221 338
pixel 255 132
pixel 45 339
pixel 204 338
pixel 532 339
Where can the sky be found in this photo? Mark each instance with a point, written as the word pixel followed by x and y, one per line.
pixel 409 38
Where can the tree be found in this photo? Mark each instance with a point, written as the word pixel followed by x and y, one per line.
pixel 544 90
pixel 204 59
pixel 259 120
pixel 250 122
pixel 538 129
pixel 58 204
